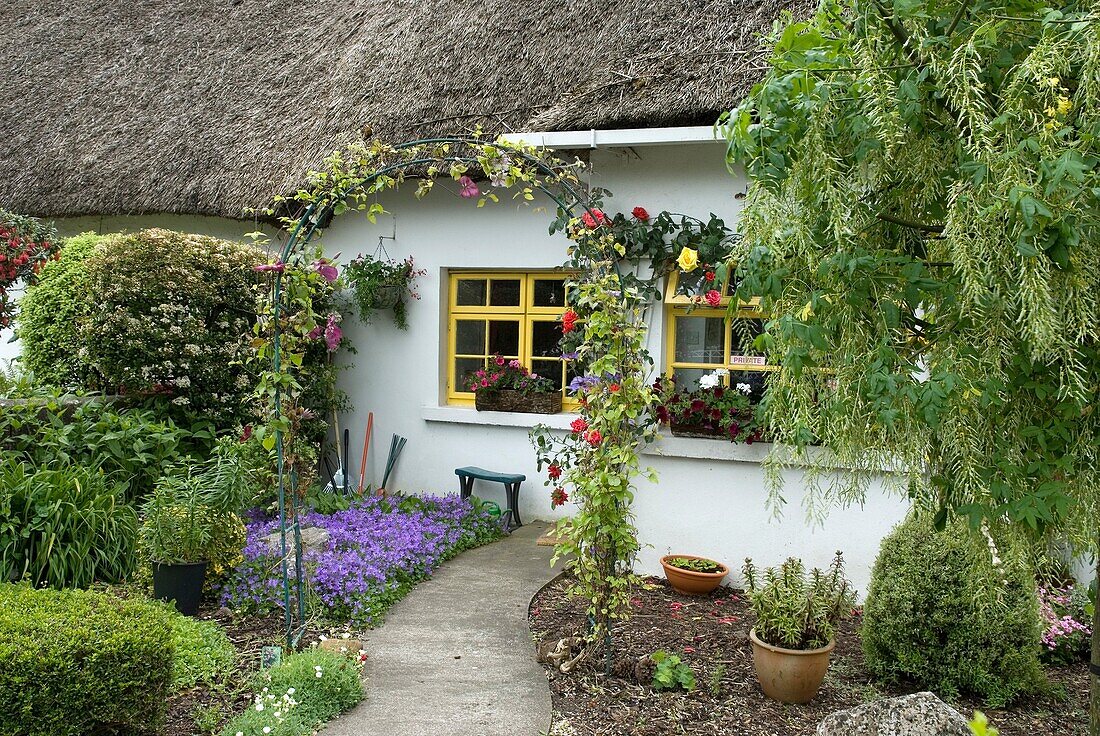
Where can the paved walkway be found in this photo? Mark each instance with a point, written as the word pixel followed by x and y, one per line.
pixel 455 658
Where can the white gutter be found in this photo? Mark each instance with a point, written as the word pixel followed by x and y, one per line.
pixel 628 137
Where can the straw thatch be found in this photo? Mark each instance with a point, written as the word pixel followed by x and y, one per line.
pixel 210 106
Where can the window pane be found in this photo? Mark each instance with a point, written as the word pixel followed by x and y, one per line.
pixel 504 293
pixel 742 334
pixel 700 340
pixel 687 379
pixel 551 369
pixel 465 368
pixel 755 380
pixel 546 339
pixel 549 293
pixel 504 338
pixel 471 293
pixel 470 337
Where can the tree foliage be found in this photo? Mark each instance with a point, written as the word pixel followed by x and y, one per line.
pixel 923 224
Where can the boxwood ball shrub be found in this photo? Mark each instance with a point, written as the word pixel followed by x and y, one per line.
pixel 943 612
pixel 172 316
pixel 51 312
pixel 74 663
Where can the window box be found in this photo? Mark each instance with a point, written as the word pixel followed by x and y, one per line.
pixel 518 401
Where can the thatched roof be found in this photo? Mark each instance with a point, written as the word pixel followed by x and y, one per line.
pixel 210 106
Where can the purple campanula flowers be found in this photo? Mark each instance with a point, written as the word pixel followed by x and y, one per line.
pixel 375 552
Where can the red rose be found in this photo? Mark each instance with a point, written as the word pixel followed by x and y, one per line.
pixel 640 214
pixel 714 298
pixel 594 437
pixel 593 219
pixel 710 276
pixel 554 472
pixel 578 425
pixel 558 497
pixel 568 321
pixel 614 388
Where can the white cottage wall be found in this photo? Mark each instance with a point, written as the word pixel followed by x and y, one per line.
pixel 706 503
pixel 710 497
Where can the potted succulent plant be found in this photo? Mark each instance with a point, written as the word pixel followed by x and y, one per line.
pixel 181 521
pixel 796 619
pixel 382 283
pixel 693 575
pixel 506 385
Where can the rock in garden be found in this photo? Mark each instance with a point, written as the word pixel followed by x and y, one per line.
pixel 314 539
pixel 920 714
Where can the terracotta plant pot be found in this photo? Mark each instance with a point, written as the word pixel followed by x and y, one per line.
pixel 690 582
pixel 789 675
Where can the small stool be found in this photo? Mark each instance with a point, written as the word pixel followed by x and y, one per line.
pixel 511 481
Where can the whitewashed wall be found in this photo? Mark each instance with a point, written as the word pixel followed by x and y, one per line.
pixel 704 504
pixel 710 498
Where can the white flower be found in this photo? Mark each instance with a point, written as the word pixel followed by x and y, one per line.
pixel 744 388
pixel 710 380
pixel 722 372
pixel 290 691
pixel 267 729
pixel 345 635
pixel 259 707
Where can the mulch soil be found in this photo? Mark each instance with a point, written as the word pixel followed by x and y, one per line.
pixel 710 633
pixel 207 708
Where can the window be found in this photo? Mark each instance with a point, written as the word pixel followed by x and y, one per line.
pixel 515 315
pixel 701 340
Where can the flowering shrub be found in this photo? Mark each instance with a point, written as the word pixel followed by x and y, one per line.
pixel 26 244
pixel 172 314
pixel 510 375
pixel 712 409
pixel 377 550
pixel 1067 613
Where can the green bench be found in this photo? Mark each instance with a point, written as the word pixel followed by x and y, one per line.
pixel 511 481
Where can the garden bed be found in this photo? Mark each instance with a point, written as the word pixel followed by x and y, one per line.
pixel 206 708
pixel 710 634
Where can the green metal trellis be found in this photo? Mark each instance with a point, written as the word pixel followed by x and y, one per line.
pixel 301 235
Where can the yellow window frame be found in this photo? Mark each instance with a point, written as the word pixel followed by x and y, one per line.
pixel 526 314
pixel 685 306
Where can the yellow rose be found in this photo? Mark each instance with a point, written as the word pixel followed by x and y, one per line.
pixel 688 260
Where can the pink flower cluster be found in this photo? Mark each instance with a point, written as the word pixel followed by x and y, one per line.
pixel 1060 614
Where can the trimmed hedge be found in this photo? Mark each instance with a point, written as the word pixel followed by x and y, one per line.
pixel 941 613
pixel 75 662
pixel 51 313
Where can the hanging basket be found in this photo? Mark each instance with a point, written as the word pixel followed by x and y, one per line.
pixel 386 297
pixel 518 401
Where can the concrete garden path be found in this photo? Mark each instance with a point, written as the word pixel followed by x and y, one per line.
pixel 455 657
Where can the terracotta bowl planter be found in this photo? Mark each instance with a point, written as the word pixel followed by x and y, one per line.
pixel 690 582
pixel 789 675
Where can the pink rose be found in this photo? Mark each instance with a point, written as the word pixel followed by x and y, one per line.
pixel 714 298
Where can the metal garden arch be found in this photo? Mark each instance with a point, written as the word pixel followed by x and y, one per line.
pixel 568 199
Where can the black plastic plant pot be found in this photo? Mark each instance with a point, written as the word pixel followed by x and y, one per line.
pixel 181 584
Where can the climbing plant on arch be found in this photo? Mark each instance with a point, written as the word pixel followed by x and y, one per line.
pixel 608 310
